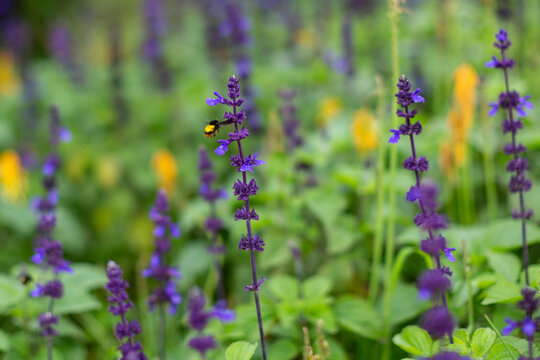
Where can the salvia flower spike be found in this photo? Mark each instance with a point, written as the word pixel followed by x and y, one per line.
pixel 243 189
pixel 514 106
pixel 434 283
pixel 165 293
pixel 49 252
pixel 125 331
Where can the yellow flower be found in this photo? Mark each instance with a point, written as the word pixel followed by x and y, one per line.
pixel 9 81
pixel 465 96
pixel 164 165
pixel 364 131
pixel 329 109
pixel 13 177
pixel 460 120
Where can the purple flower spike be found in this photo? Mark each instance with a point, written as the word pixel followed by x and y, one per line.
pixel 434 283
pixel 244 189
pixel 514 106
pixel 48 252
pixel 119 301
pixel 165 293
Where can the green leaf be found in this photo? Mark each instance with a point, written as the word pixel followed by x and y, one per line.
pixel 316 286
pixel 359 316
pixel 502 292
pixel 4 341
pixel 482 341
pixel 11 292
pixel 284 287
pixel 507 265
pixel 283 350
pixel 414 340
pixel 500 352
pixel 240 350
pixel 77 286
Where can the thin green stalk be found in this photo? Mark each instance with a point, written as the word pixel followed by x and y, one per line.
pixel 470 302
pixel 379 218
pixel 500 337
pixel 389 255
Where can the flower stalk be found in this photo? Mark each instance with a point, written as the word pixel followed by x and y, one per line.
pixel 243 189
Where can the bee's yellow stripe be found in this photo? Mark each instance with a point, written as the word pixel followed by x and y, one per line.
pixel 209 129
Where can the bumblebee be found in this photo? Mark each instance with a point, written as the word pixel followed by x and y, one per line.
pixel 212 128
pixel 25 278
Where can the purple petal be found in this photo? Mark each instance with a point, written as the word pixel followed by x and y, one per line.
pixel 494 108
pixel 212 101
pixel 449 255
pixel 416 96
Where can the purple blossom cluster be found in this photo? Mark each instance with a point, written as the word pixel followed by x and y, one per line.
pixel 158 269
pixel 49 254
pixel 199 317
pixel 514 106
pixel 290 121
pixel 243 189
pixel 155 29
pixel 433 283
pixel 125 331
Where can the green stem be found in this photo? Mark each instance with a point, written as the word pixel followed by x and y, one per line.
pixel 379 218
pixel 389 255
pixel 500 337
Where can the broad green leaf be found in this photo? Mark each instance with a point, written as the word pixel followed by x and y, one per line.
pixel 316 286
pixel 359 316
pixel 507 265
pixel 240 350
pixel 482 341
pixel 283 350
pixel 11 292
pixel 284 287
pixel 500 352
pixel 502 292
pixel 414 340
pixel 461 336
pixel 77 286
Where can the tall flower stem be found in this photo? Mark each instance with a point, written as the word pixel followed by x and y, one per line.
pixel 389 244
pixel 242 189
pixel 521 201
pixel 251 252
pixel 379 221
